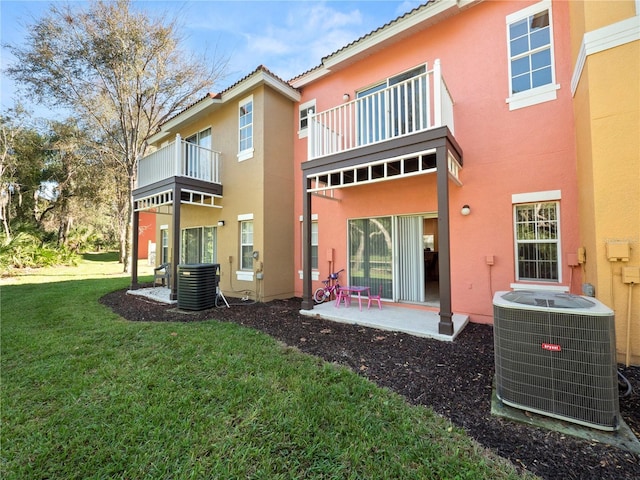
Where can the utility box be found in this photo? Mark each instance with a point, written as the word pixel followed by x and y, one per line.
pixel 618 251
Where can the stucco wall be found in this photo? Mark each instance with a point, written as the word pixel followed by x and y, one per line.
pixel 505 152
pixel 607 109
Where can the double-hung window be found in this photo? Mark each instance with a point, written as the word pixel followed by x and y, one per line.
pixel 530 48
pixel 537 236
pixel 246 245
pixel 245 134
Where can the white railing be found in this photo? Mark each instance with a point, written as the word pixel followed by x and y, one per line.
pixel 179 158
pixel 417 104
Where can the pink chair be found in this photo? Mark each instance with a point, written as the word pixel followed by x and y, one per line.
pixel 375 298
pixel 343 294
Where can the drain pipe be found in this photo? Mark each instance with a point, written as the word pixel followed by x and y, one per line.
pixel 629 325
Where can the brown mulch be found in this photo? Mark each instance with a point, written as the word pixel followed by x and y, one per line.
pixel 453 378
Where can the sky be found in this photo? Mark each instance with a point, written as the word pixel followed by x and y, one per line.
pixel 288 37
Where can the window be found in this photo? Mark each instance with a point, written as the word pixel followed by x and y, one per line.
pixel 246 129
pixel 401 109
pixel 530 47
pixel 246 245
pixel 198 245
pixel 164 245
pixel 537 241
pixel 198 155
pixel 304 110
pixel 371 253
pixel 314 245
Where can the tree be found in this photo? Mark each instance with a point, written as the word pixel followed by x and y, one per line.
pixel 21 163
pixel 120 71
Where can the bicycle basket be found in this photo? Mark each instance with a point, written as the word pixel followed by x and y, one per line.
pixel 334 276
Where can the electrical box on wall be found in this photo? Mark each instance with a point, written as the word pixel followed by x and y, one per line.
pixel 618 251
pixel 631 275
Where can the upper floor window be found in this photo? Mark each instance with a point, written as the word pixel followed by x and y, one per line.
pixel 530 46
pixel 304 111
pixel 245 129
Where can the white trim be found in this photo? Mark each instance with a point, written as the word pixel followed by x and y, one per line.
pixel 244 275
pixel 246 154
pixel 528 11
pixel 245 216
pixel 428 14
pixel 533 96
pixel 164 227
pixel 531 197
pixel 314 217
pixel 611 36
pixel 543 93
pixel 537 286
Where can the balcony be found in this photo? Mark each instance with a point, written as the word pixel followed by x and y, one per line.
pixel 179 159
pixel 415 105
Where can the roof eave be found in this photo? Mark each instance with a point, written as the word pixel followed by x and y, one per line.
pixel 429 14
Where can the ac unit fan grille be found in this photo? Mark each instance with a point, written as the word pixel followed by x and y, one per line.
pixel 574 378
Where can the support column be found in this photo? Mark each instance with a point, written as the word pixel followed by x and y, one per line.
pixel 445 326
pixel 307 301
pixel 175 253
pixel 134 254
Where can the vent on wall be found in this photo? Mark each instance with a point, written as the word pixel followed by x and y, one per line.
pixel 555 354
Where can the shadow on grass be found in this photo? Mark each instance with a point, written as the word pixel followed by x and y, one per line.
pixel 100 256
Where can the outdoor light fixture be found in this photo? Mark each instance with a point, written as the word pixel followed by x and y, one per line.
pixel 466 210
pixel 221 223
pixel 346 97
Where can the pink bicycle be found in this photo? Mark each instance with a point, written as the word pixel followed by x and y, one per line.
pixel 331 286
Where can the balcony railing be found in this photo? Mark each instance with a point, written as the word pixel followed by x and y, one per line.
pixel 417 104
pixel 179 158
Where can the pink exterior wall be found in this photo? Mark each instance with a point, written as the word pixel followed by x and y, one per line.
pixel 146 233
pixel 504 152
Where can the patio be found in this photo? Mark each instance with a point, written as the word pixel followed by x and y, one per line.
pixel 413 321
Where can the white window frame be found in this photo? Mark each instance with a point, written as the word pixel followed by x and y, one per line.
pixel 519 200
pixel 305 108
pixel 203 245
pixel 247 152
pixel 543 93
pixel 164 248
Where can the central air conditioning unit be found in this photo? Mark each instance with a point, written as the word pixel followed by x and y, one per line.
pixel 555 354
pixel 197 284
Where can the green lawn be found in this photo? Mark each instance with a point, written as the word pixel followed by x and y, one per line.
pixel 88 395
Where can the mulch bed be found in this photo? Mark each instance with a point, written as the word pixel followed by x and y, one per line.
pixel 453 378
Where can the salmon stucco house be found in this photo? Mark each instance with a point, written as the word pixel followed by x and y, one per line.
pixel 220 181
pixel 437 158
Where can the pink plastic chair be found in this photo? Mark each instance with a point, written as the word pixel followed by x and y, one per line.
pixel 343 295
pixel 375 298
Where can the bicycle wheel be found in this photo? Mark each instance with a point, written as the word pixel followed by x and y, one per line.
pixel 318 295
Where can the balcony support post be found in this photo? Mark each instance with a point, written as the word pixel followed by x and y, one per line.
pixel 445 326
pixel 307 301
pixel 175 254
pixel 134 250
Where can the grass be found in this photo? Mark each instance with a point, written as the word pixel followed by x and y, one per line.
pixel 86 394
